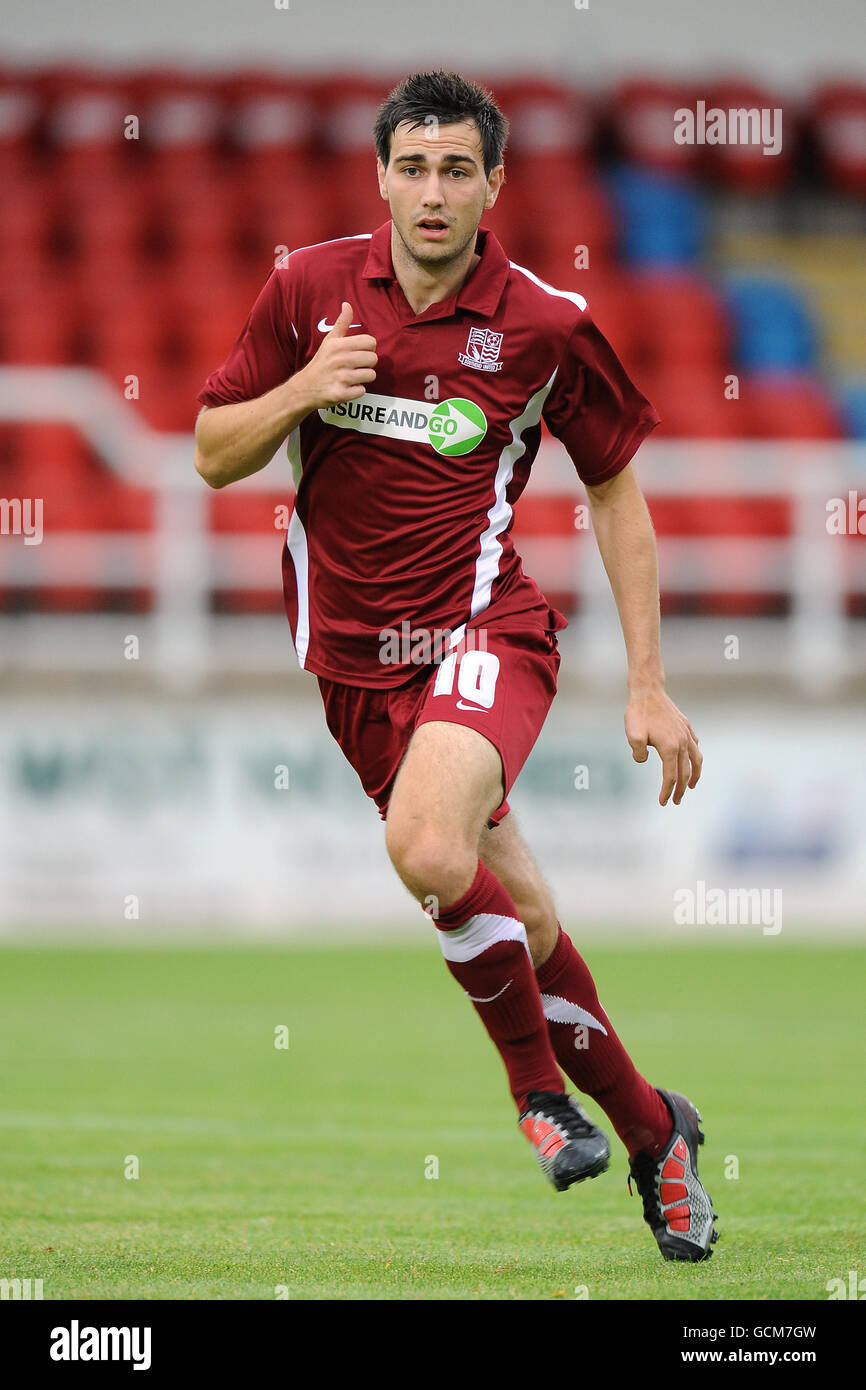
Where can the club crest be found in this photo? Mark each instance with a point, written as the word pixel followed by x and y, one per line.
pixel 482 350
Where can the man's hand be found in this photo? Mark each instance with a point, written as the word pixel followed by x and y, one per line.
pixel 652 720
pixel 340 368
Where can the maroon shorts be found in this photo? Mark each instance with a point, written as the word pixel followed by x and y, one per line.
pixel 503 690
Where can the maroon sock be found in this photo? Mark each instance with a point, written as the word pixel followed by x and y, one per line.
pixel 591 1054
pixel 485 948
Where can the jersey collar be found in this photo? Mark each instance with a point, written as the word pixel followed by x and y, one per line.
pixel 481 292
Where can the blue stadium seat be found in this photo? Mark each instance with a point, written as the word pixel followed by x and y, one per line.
pixel 662 217
pixel 852 403
pixel 773 327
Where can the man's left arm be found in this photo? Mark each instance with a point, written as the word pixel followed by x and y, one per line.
pixel 626 540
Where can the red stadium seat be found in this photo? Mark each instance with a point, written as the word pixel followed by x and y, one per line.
pixel 37 319
pixel 549 123
pixel 271 124
pixel 293 212
pixel 20 110
pixel 86 125
pixel 790 407
pixel 347 107
pixel 197 216
pixel 838 118
pixel 744 166
pixel 561 222
pixel 25 209
pixel 54 463
pixel 99 224
pixel 641 114
pixel 181 125
pixel 692 404
pixel 682 321
pixel 167 400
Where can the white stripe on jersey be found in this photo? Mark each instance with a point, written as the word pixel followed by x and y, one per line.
pixel 577 299
pixel 487 564
pixel 296 540
pixel 359 236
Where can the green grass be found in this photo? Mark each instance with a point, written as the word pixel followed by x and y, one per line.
pixel 305 1167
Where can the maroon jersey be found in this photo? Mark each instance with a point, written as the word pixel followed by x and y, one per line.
pixel 405 497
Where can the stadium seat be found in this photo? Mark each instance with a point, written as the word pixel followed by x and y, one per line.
pixel 98 223
pixel 291 213
pixel 85 124
pixel 583 230
pixel 661 217
pixel 37 319
pixel 347 106
pixel 790 406
pixel 852 404
pixel 198 216
pixel 24 223
pixel 641 116
pixel 692 402
pixel 773 328
pixel 182 127
pixel 20 111
pixel 549 123
pixel 79 494
pixel 682 321
pixel 741 165
pixel 271 126
pixel 838 122
pixel 167 400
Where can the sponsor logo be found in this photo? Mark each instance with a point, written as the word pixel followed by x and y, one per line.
pixel 453 427
pixel 476 709
pixel 482 350
pixel 325 327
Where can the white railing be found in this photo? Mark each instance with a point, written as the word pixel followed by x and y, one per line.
pixel 183 562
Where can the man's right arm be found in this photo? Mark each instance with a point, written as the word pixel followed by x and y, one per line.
pixel 236 440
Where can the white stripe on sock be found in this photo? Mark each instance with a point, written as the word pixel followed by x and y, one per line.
pixel 559 1010
pixel 483 930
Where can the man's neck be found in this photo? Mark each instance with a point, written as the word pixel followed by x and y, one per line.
pixel 422 287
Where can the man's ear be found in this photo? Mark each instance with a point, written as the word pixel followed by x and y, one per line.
pixel 495 180
pixel 380 173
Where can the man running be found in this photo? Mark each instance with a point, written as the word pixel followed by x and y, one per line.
pixel 410 370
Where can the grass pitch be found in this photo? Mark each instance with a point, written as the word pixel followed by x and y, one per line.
pixel 299 1171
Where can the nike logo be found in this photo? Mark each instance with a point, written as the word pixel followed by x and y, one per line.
pixel 476 709
pixel 492 996
pixel 325 327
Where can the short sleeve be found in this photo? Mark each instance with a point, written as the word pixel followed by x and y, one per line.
pixel 594 408
pixel 264 353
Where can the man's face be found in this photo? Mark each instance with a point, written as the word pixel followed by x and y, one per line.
pixel 437 189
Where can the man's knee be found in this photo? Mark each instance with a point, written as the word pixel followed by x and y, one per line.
pixel 431 861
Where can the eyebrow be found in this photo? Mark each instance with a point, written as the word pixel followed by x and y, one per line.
pixel 446 159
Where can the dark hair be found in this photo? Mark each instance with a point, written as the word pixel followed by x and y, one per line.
pixel 448 97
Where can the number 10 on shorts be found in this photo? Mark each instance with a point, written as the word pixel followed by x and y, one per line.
pixel 477 673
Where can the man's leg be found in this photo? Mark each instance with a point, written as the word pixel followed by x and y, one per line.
pixel 448 784
pixel 586 1046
